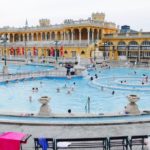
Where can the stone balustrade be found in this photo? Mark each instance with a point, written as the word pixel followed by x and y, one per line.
pixel 59 26
pixel 128 35
pixel 48 43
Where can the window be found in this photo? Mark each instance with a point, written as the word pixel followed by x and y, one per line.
pixel 82 52
pixel 65 52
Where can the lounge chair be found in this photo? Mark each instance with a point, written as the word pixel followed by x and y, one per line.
pixel 81 143
pixel 50 142
pixel 120 141
pixel 138 140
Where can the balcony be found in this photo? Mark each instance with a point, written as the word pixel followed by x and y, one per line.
pixel 83 43
pixel 77 23
pixel 127 35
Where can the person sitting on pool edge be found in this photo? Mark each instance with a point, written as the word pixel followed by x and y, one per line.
pixel 125 110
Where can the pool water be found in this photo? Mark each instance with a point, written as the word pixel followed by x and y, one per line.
pixel 12 68
pixel 15 95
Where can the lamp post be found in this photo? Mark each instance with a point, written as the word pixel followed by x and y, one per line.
pixel 94 52
pixel 25 39
pixel 104 54
pixel 56 43
pixel 4 40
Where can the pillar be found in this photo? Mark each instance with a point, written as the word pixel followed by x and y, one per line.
pixel 13 35
pixel 45 36
pixel 72 36
pixel 55 35
pixel 23 37
pixel 27 36
pixel 92 35
pixel 8 36
pixel 32 36
pixel 50 36
pixel 37 36
pixel 41 36
pixel 64 35
pixel 61 34
pixel 97 34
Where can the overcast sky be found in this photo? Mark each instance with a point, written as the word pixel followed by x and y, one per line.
pixel 135 13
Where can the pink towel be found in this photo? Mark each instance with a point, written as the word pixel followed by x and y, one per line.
pixel 11 140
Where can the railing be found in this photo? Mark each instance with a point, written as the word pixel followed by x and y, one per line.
pixel 49 43
pixel 57 26
pixel 23 76
pixel 128 35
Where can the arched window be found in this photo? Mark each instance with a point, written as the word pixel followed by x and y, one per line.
pixel 109 43
pixel 121 45
pixel 145 45
pixel 82 52
pixel 65 52
pixel 133 45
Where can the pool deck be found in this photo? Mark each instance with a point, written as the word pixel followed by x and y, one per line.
pixel 76 130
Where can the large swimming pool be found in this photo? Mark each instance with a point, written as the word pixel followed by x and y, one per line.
pixel 123 81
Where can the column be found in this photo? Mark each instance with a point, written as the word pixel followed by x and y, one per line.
pixel 41 36
pixel 13 37
pixel 92 35
pixel 27 36
pixel 72 35
pixel 19 37
pixel 8 36
pixel 32 36
pixel 45 36
pixel 68 38
pixel 64 35
pixel 139 53
pixel 55 35
pixel 97 34
pixel 102 33
pixel 37 36
pixel 61 33
pixel 23 37
pixel 50 36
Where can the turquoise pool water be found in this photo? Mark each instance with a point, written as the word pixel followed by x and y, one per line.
pixel 15 95
pixel 12 68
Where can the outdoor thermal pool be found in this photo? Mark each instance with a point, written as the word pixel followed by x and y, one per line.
pixel 18 96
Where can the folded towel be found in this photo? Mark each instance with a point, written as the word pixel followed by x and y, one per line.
pixel 63 144
pixel 43 143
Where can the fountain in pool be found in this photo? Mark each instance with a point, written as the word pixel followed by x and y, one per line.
pixel 44 109
pixel 78 67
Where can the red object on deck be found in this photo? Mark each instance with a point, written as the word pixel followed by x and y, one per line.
pixel 61 51
pixel 12 51
pixel 23 51
pixel 11 140
pixel 52 51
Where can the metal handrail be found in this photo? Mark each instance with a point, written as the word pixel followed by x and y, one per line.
pixel 18 76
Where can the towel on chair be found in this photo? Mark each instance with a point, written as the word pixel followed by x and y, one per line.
pixel 43 143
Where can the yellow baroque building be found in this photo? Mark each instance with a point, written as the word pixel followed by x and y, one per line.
pixel 74 37
pixel 93 37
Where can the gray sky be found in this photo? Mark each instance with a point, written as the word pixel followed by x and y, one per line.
pixel 135 13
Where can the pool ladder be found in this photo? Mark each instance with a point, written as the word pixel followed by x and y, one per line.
pixel 87 106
